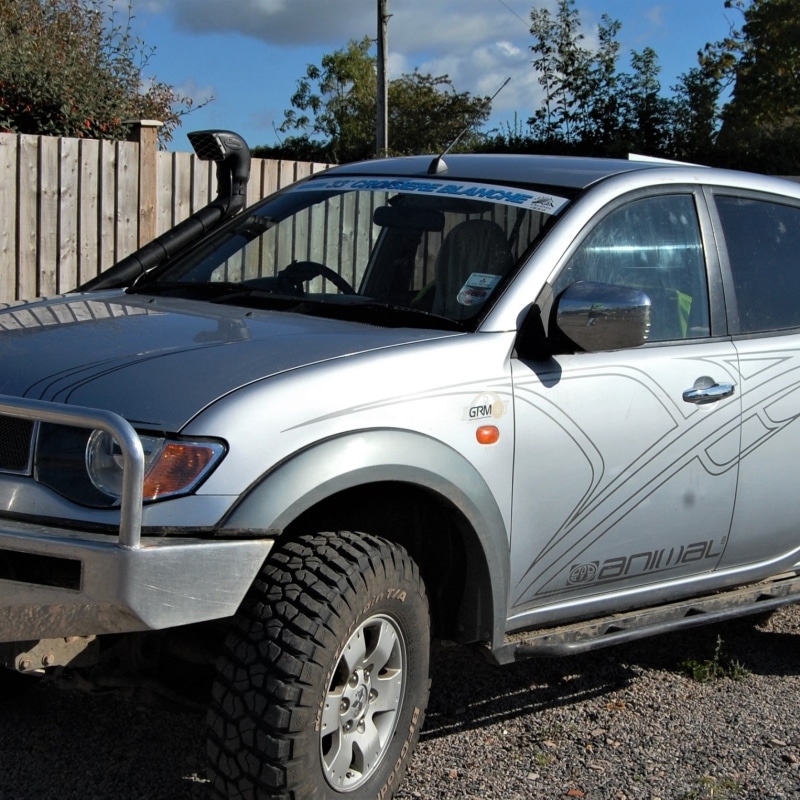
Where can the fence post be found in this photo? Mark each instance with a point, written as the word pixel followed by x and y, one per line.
pixel 145 132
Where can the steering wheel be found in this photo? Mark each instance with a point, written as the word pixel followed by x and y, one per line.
pixel 298 272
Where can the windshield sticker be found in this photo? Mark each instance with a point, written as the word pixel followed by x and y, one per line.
pixel 478 287
pixel 511 196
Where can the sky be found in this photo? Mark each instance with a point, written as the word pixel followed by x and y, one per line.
pixel 249 54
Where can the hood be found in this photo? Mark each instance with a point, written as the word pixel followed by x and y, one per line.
pixel 159 361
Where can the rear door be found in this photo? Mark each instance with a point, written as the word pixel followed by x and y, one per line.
pixel 625 473
pixel 762 240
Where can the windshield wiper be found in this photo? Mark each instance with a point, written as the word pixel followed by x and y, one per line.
pixel 216 292
pixel 369 312
pixel 188 289
pixel 382 315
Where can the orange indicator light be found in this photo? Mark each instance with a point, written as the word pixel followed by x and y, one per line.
pixel 487 434
pixel 177 467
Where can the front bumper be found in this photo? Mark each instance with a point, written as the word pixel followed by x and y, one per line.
pixel 78 584
pixel 61 583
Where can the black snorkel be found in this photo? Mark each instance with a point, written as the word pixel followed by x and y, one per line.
pixel 232 156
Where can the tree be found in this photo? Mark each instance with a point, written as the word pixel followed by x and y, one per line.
pixel 603 117
pixel 761 62
pixel 565 73
pixel 333 111
pixel 648 126
pixel 69 69
pixel 426 114
pixel 695 116
pixel 591 107
pixel 336 101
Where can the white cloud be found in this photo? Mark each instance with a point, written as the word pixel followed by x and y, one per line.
pixel 415 27
pixel 280 22
pixel 655 15
pixel 478 45
pixel 253 51
pixel 510 50
pixel 198 94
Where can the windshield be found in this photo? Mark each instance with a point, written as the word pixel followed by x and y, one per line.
pixel 421 252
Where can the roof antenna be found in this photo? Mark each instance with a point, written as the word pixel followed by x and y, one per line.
pixel 438 164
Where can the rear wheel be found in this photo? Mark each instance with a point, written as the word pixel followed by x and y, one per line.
pixel 321 688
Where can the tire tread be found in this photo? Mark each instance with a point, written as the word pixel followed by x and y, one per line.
pixel 257 713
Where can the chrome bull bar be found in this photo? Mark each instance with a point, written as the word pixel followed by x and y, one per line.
pixel 130 519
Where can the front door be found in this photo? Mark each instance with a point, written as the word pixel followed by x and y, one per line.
pixel 626 461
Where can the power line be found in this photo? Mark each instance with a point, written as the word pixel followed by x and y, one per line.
pixel 511 10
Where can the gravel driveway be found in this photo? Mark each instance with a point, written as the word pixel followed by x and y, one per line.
pixel 619 724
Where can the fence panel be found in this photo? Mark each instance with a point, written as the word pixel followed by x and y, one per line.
pixel 9 146
pixel 127 198
pixel 66 232
pixel 70 208
pixel 47 239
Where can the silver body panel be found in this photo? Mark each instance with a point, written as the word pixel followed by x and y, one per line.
pixel 136 356
pixel 608 487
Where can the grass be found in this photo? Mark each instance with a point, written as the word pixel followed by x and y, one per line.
pixel 712 788
pixel 719 666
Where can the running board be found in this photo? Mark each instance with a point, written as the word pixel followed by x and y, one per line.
pixel 581 637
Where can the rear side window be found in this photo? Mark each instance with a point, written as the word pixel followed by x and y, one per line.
pixel 763 243
pixel 652 244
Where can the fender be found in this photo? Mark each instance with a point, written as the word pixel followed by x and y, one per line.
pixel 370 456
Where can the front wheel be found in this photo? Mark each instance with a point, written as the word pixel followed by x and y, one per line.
pixel 321 688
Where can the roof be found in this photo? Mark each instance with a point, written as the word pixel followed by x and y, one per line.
pixel 568 171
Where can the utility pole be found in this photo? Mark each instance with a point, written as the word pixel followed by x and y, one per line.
pixel 382 126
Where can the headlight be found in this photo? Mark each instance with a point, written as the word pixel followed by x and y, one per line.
pixel 104 460
pixel 86 466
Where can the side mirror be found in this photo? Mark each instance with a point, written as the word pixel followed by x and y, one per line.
pixel 602 316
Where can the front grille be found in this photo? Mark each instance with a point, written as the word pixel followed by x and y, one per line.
pixel 16 436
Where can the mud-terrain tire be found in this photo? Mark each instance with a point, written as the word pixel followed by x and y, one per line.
pixel 322 686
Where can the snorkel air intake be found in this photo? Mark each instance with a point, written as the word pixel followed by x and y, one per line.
pixel 232 156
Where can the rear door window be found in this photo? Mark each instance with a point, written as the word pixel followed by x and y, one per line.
pixel 762 238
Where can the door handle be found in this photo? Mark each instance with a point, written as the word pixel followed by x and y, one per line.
pixel 708 394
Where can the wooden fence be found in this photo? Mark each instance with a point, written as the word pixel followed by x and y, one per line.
pixel 70 208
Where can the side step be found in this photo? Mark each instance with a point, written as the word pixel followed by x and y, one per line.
pixel 592 634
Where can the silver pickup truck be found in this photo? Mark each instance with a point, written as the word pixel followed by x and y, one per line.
pixel 538 404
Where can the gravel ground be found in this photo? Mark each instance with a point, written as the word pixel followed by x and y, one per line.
pixel 619 724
